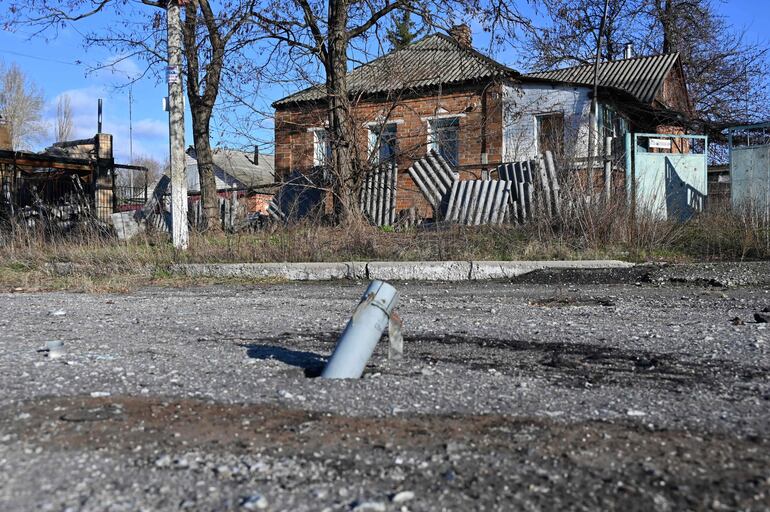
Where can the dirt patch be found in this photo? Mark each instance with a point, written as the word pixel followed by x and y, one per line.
pixel 487 458
pixel 560 301
pixel 575 364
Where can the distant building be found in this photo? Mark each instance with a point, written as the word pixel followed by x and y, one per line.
pixel 249 173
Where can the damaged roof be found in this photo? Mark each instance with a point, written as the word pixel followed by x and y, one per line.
pixel 641 77
pixel 434 60
pixel 232 167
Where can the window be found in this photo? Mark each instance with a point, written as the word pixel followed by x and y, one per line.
pixel 382 142
pixel 612 124
pixel 322 151
pixel 443 138
pixel 550 133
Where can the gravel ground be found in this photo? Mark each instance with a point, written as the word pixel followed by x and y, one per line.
pixel 641 389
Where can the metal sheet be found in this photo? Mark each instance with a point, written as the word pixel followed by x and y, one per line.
pixel 378 195
pixel 477 202
pixel 434 177
pixel 669 185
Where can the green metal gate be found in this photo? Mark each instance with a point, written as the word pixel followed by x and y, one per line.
pixel 666 174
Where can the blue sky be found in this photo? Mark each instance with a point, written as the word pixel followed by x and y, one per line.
pixel 52 64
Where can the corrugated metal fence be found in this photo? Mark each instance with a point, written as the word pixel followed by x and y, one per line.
pixel 378 195
pixel 434 177
pixel 475 202
pixel 534 185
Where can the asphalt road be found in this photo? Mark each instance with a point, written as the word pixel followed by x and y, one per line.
pixel 561 391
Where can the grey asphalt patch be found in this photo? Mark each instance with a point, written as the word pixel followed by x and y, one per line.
pixel 525 396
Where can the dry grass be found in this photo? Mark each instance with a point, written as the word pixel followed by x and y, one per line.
pixel 582 231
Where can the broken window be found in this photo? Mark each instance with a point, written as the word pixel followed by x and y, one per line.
pixel 443 138
pixel 382 142
pixel 550 133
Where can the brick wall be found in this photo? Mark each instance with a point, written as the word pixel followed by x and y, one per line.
pixel 294 139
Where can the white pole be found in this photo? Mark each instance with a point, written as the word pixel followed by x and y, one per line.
pixel 176 127
pixel 130 140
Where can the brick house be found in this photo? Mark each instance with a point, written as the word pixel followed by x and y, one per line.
pixel 439 93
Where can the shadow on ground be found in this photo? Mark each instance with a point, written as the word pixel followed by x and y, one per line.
pixel 311 363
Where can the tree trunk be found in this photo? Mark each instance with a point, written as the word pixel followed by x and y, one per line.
pixel 205 157
pixel 667 24
pixel 341 126
pixel 201 106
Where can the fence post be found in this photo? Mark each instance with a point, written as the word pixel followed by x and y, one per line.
pixel 114 190
pixel 607 169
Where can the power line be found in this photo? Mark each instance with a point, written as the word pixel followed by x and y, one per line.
pixel 20 54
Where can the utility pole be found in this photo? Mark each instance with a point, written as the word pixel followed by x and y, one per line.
pixel 176 127
pixel 130 140
pixel 593 127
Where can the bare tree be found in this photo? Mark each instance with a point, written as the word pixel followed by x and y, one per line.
pixel 209 41
pixel 21 105
pixel 213 37
pixel 139 179
pixel 64 126
pixel 571 33
pixel 726 73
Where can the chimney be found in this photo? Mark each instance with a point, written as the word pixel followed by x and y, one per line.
pixel 99 117
pixel 256 154
pixel 628 51
pixel 462 34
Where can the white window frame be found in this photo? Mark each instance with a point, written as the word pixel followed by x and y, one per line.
pixel 319 132
pixel 373 134
pixel 432 142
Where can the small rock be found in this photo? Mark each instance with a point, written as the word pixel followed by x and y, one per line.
pixel 223 471
pixel 370 506
pixel 254 502
pixel 163 461
pixel 402 497
pixel 57 312
pixel 737 321
pixel 634 412
pixel 100 394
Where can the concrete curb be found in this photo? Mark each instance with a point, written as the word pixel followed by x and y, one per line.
pixel 419 270
pixel 312 271
pixel 387 270
pixel 482 270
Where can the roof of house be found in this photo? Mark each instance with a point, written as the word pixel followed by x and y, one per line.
pixel 641 77
pixel 433 60
pixel 232 167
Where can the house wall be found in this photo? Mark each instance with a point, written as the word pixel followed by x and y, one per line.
pixel 294 136
pixel 673 93
pixel 522 102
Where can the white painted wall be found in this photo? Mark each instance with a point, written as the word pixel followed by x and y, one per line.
pixel 523 101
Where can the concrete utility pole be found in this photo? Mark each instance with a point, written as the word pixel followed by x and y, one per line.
pixel 593 127
pixel 176 127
